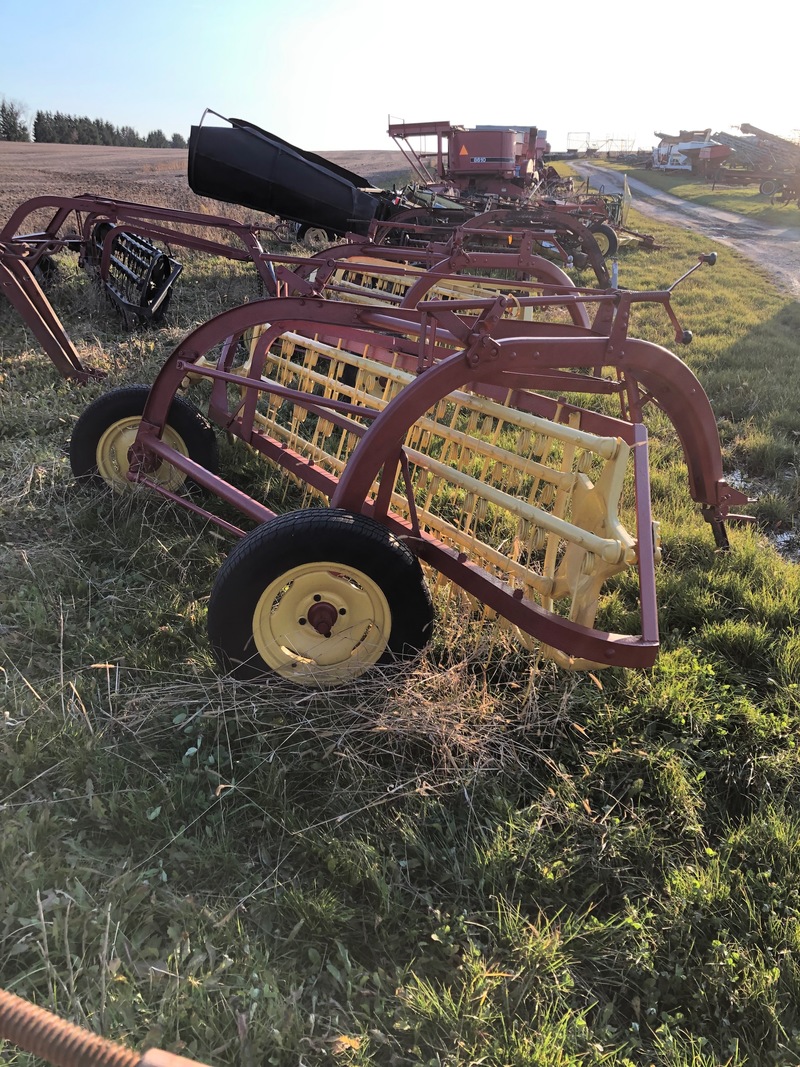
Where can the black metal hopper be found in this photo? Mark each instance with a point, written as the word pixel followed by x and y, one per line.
pixel 243 164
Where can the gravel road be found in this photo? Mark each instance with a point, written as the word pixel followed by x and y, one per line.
pixel 774 248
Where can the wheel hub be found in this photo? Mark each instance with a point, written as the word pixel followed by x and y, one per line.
pixel 322 616
pixel 117 448
pixel 322 622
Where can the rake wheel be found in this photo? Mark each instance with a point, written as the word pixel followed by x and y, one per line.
pixel 607 240
pixel 98 450
pixel 318 597
pixel 315 237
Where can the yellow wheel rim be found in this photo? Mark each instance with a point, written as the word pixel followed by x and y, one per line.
pixel 321 622
pixel 316 237
pixel 603 242
pixel 112 456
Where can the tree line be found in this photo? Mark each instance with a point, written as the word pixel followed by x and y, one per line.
pixel 54 127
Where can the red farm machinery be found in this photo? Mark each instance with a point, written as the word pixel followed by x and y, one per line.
pixel 483 165
pixel 454 406
pixel 484 168
pixel 753 157
pixel 762 158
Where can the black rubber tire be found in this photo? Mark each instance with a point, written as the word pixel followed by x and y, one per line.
pixel 127 402
pixel 769 187
pixel 158 277
pixel 605 235
pixel 99 234
pixel 45 271
pixel 301 538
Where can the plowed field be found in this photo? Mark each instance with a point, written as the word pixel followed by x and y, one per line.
pixel 142 175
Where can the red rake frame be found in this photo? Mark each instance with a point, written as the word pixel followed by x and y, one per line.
pixel 75 224
pixel 447 347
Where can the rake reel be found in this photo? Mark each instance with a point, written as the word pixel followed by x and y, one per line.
pixel 137 276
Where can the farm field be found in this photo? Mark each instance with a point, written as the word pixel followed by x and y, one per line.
pixel 481 859
pixel 142 175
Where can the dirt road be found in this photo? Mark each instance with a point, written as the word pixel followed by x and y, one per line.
pixel 776 249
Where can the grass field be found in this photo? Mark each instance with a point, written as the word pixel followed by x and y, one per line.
pixel 482 861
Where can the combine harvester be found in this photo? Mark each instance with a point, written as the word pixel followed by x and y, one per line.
pixel 479 166
pixel 436 397
pixel 486 167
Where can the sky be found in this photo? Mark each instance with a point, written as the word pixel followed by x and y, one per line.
pixel 331 75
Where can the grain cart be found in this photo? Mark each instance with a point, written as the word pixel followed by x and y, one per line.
pixel 440 434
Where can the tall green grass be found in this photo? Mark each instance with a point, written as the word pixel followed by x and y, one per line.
pixel 477 860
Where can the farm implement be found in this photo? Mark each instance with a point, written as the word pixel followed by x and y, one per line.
pixel 243 164
pixel 129 247
pixel 439 433
pixel 760 157
pixel 117 242
pixel 755 157
pixel 453 406
pixel 481 165
pixel 489 167
pixel 125 245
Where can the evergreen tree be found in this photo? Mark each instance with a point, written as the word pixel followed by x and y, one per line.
pixel 44 130
pixel 129 137
pixel 58 128
pixel 156 139
pixel 12 128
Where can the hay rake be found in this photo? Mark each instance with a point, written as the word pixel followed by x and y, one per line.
pixel 454 432
pixel 119 242
pixel 127 246
pixel 138 276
